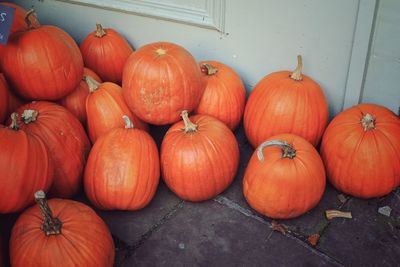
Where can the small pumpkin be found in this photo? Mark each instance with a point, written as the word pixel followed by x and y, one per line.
pixel 75 102
pixel 361 151
pixel 105 51
pixel 66 140
pixel 285 102
pixel 159 81
pixel 60 232
pixel 25 167
pixel 49 59
pixel 105 107
pixel 199 157
pixel 123 169
pixel 4 91
pixel 284 178
pixel 224 95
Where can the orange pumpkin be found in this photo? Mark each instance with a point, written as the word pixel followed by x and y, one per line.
pixel 123 169
pixel 3 98
pixel 60 232
pixel 25 167
pixel 105 51
pixel 75 102
pixel 65 138
pixel 361 151
pixel 199 159
pixel 105 107
pixel 284 102
pixel 284 178
pixel 224 95
pixel 159 81
pixel 49 59
pixel 13 101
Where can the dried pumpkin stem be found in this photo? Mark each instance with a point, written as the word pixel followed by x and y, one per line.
pixel 100 32
pixel 287 149
pixel 128 122
pixel 330 214
pixel 51 225
pixel 29 115
pixel 296 74
pixel 208 69
pixel 31 12
pixel 14 121
pixel 368 122
pixel 190 127
pixel 92 83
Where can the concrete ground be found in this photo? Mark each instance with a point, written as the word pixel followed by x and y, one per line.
pixel 225 231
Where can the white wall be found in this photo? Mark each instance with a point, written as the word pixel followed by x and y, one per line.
pixel 262 36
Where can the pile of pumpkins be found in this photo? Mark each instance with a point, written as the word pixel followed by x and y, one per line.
pixel 89 121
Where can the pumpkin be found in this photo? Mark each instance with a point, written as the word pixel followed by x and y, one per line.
pixel 224 95
pixel 284 178
pixel 199 157
pixel 75 102
pixel 49 59
pixel 159 81
pixel 60 232
pixel 105 51
pixel 123 169
pixel 25 167
pixel 105 107
pixel 13 100
pixel 65 138
pixel 3 98
pixel 284 102
pixel 361 151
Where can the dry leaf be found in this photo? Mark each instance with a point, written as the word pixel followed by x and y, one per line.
pixel 385 210
pixel 330 214
pixel 279 227
pixel 313 239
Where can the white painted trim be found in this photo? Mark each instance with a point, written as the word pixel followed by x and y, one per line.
pixel 212 16
pixel 359 52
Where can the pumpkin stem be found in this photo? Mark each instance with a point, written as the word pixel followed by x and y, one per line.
pixel 29 115
pixel 287 149
pixel 368 122
pixel 208 69
pixel 296 74
pixel 100 32
pixel 51 225
pixel 190 127
pixel 161 52
pixel 92 83
pixel 128 122
pixel 14 121
pixel 31 12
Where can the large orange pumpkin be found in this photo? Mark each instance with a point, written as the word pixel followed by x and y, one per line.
pixel 123 169
pixel 224 95
pixel 60 232
pixel 105 51
pixel 3 98
pixel 105 107
pixel 199 159
pixel 159 81
pixel 49 59
pixel 284 178
pixel 361 151
pixel 13 101
pixel 284 102
pixel 25 167
pixel 66 140
pixel 75 102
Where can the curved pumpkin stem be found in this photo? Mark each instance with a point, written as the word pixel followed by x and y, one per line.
pixel 51 225
pixel 92 83
pixel 29 115
pixel 296 74
pixel 208 69
pixel 14 121
pixel 31 12
pixel 368 122
pixel 190 127
pixel 100 32
pixel 128 122
pixel 287 149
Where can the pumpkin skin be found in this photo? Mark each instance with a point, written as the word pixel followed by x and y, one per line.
pixel 199 162
pixel 159 81
pixel 66 140
pixel 123 170
pixel 105 51
pixel 283 187
pixel 84 239
pixel 75 102
pixel 25 167
pixel 282 104
pixel 224 95
pixel 13 101
pixel 50 60
pixel 3 98
pixel 105 107
pixel 363 163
